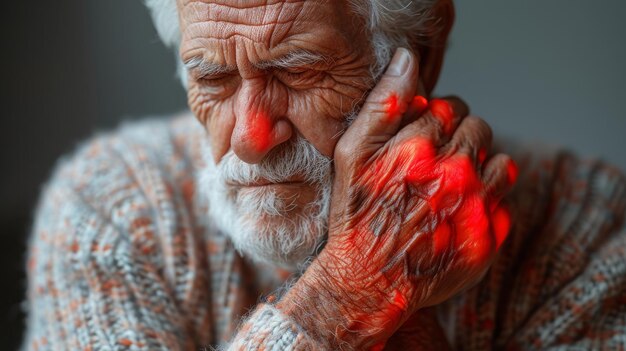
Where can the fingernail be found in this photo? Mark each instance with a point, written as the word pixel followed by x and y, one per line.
pixel 400 63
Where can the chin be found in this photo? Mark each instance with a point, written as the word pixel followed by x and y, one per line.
pixel 276 212
pixel 267 228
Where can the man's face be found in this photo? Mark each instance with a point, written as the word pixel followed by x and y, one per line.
pixel 273 83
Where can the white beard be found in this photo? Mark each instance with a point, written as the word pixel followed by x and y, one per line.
pixel 299 232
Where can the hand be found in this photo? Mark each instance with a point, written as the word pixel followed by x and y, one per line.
pixel 415 214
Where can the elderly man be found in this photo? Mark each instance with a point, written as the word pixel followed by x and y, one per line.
pixel 320 156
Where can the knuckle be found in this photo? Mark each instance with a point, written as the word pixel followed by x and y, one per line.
pixel 459 105
pixel 479 126
pixel 502 160
pixel 500 173
pixel 376 108
pixel 505 159
pixel 428 128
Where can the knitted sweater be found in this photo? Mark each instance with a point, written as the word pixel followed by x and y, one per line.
pixel 122 257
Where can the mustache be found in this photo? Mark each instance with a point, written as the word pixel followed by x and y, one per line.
pixel 297 158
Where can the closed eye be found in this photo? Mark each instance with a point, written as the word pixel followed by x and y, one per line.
pixel 297 75
pixel 215 80
pixel 211 79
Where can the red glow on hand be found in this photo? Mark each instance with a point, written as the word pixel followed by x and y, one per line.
pixel 512 172
pixel 453 187
pixel 441 238
pixel 393 107
pixel 400 301
pixel 260 131
pixel 501 224
pixel 482 155
pixel 473 229
pixel 420 208
pixel 419 104
pixel 444 112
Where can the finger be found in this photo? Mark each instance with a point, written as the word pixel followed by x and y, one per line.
pixel 417 106
pixel 499 175
pixel 501 224
pixel 473 138
pixel 438 123
pixel 381 114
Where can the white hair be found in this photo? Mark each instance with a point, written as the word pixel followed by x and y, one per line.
pixel 241 213
pixel 392 23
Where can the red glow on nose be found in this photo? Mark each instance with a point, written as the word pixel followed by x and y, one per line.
pixel 512 172
pixel 259 131
pixel 444 112
pixel 393 107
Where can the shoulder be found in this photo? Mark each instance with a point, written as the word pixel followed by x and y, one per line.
pixel 153 144
pixel 138 160
pixel 565 195
pixel 113 232
pixel 567 265
pixel 559 190
pixel 127 185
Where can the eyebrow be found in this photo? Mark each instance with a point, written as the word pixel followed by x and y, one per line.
pixel 296 59
pixel 202 68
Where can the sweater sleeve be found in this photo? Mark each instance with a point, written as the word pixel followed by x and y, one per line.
pixel 568 289
pixel 95 280
pixel 268 329
pixel 560 279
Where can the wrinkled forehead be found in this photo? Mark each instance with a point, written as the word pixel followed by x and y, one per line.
pixel 267 28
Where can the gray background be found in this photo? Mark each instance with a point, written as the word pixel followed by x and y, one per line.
pixel 536 70
pixel 551 71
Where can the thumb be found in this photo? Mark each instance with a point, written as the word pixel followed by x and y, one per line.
pixel 381 115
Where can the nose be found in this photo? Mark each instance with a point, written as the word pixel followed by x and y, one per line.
pixel 260 122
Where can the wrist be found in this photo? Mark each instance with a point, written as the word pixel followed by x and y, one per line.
pixel 340 314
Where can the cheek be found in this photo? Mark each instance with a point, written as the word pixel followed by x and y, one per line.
pixel 319 116
pixel 220 128
pixel 197 102
pixel 322 132
pixel 215 116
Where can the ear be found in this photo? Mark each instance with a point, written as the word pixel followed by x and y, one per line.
pixel 432 52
